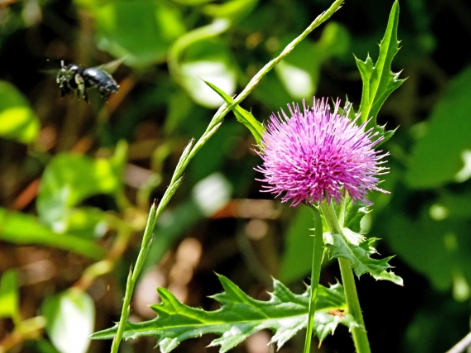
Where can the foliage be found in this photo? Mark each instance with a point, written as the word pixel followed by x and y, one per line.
pixel 239 317
pixel 70 316
pixel 378 80
pixel 77 180
pixel 17 120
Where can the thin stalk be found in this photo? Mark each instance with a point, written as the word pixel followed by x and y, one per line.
pixel 133 277
pixel 317 255
pixel 360 338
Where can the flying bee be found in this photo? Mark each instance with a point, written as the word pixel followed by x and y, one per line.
pixel 74 80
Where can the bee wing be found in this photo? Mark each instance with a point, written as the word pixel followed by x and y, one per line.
pixel 112 66
pixel 50 72
pixel 49 63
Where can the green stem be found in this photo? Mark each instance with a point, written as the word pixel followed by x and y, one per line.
pixel 360 337
pixel 317 252
pixel 134 275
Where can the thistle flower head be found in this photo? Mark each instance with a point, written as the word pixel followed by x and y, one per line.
pixel 317 154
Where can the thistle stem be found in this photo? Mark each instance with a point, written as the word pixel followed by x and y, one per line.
pixel 317 255
pixel 360 338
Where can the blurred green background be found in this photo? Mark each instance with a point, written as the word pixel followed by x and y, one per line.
pixel 77 179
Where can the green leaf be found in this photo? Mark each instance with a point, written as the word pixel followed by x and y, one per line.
pixel 17 120
pixel 68 180
pixel 138 31
pixel 354 212
pixel 239 317
pixel 438 250
pixel 22 228
pixel 242 115
pixel 70 318
pixel 9 295
pixel 444 153
pixel 85 222
pixel 357 249
pixel 378 79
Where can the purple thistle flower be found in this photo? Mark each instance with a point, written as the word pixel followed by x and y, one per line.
pixel 317 155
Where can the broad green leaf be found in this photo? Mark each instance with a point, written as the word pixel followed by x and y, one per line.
pixel 456 205
pixel 378 79
pixel 71 178
pixel 239 317
pixel 70 318
pixel 138 31
pixel 242 115
pixel 22 228
pixel 358 250
pixel 437 249
pixel 17 120
pixel 444 153
pixel 9 295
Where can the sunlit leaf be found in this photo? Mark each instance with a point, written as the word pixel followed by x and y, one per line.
pixel 68 180
pixel 359 250
pixel 9 295
pixel 208 61
pixel 70 319
pixel 239 317
pixel 17 120
pixel 86 222
pixel 378 79
pixel 22 228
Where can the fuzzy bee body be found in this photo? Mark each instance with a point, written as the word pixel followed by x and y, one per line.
pixel 74 80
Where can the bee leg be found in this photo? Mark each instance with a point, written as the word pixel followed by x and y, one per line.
pixel 105 94
pixel 82 93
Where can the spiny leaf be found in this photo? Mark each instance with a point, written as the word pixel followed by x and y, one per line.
pixel 357 249
pixel 242 115
pixel 239 317
pixel 354 213
pixel 378 79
